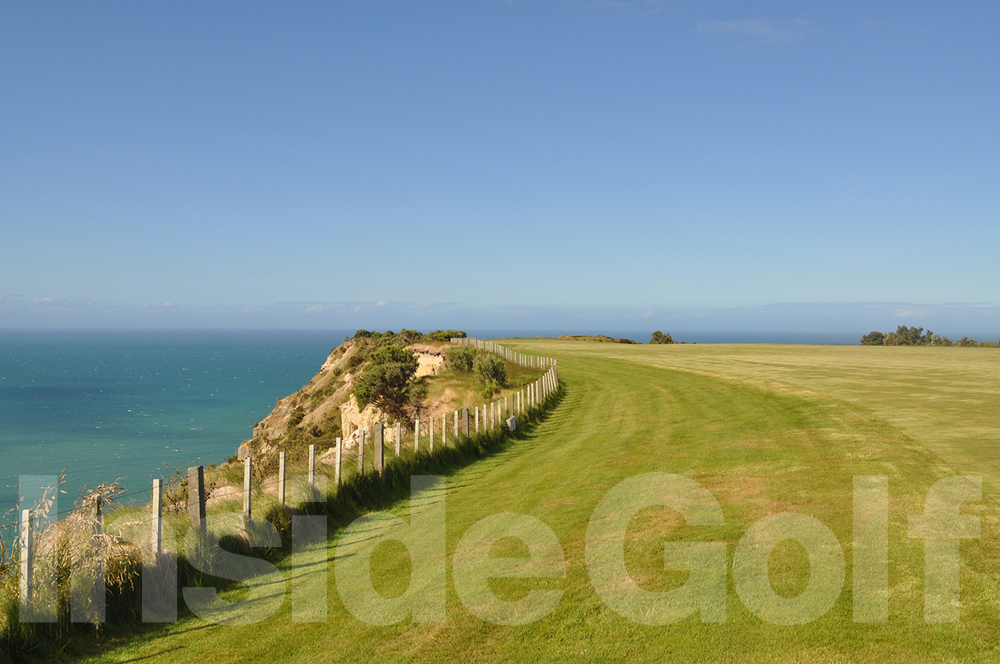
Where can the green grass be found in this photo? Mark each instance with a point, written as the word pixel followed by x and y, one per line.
pixel 458 390
pixel 766 429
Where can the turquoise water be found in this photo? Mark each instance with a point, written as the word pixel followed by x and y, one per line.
pixel 110 405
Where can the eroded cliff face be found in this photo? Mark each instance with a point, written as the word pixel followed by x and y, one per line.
pixel 325 407
pixel 315 407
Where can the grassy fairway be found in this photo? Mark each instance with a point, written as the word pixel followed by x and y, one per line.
pixel 766 430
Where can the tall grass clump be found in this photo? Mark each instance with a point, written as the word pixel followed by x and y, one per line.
pixel 71 555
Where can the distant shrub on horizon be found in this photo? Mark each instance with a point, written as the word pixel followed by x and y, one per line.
pixel 915 336
pixel 661 338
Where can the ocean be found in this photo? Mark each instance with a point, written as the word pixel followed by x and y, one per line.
pixel 104 406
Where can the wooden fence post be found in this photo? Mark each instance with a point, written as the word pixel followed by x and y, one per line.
pixel 27 558
pixel 416 436
pixel 444 430
pixel 465 422
pixel 361 452
pixel 336 470
pixel 477 420
pixel 196 496
pixel 456 425
pixel 378 447
pixel 432 435
pixel 312 470
pixel 399 439
pixel 281 478
pixel 156 536
pixel 247 475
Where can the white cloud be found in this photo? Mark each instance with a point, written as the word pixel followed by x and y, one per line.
pixel 381 303
pixel 315 309
pixel 761 31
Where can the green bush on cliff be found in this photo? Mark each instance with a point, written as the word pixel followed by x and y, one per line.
pixel 297 416
pixel 406 337
pixel 386 380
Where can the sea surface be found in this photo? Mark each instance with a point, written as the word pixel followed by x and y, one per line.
pixel 104 406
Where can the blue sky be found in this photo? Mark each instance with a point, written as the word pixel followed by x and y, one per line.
pixel 303 165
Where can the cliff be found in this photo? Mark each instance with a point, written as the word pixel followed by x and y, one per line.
pixel 324 408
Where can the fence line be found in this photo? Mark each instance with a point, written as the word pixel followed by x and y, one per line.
pixel 496 415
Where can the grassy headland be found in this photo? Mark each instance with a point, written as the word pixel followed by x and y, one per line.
pixel 766 429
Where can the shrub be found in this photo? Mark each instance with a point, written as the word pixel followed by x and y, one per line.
pixel 356 360
pixel 661 338
pixel 873 338
pixel 297 416
pixel 386 380
pixel 461 359
pixel 445 335
pixel 406 337
pixel 491 373
pixel 915 336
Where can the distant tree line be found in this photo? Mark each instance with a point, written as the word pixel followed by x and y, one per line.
pixel 915 336
pixel 404 336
